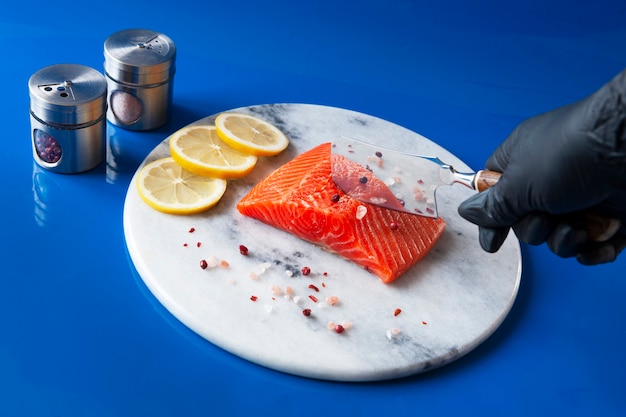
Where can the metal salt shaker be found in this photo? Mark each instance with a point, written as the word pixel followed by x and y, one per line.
pixel 68 117
pixel 139 67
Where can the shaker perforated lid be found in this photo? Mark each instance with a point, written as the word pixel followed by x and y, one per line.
pixel 139 57
pixel 67 94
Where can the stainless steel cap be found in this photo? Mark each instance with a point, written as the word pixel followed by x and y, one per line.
pixel 139 57
pixel 67 94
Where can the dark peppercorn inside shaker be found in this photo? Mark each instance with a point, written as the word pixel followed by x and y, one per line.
pixel 68 117
pixel 139 66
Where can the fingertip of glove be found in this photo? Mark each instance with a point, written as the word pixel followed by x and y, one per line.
pixel 534 228
pixel 596 253
pixel 600 254
pixel 566 241
pixel 491 239
pixel 473 209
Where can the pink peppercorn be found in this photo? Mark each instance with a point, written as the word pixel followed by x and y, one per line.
pixel 243 250
pixel 204 264
pixel 306 312
pixel 306 270
pixel 339 328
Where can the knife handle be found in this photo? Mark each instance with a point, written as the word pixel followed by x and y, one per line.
pixel 600 228
pixel 485 179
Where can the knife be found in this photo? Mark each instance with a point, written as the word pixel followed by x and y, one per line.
pixel 408 182
pixel 397 180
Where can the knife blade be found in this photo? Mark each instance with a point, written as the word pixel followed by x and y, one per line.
pixel 397 180
pixel 408 182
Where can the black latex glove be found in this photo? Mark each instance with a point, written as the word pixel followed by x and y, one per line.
pixel 560 169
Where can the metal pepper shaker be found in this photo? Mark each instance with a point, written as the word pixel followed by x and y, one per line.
pixel 139 67
pixel 68 117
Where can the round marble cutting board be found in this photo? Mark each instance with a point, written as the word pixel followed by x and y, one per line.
pixel 436 312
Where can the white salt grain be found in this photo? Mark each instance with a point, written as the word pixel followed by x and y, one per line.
pixel 361 211
pixel 212 262
pixel 259 269
pixel 393 332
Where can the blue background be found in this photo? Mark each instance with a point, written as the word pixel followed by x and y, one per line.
pixel 80 335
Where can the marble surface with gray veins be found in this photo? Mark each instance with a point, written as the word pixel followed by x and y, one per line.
pixel 450 302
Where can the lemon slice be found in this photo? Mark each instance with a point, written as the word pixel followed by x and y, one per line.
pixel 250 134
pixel 166 186
pixel 198 149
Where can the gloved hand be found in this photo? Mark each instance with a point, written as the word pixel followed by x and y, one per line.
pixel 561 171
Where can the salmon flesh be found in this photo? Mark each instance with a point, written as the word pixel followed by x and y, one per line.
pixel 301 198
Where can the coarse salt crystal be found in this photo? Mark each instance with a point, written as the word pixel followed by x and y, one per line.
pixel 296 299
pixel 268 308
pixel 289 272
pixel 212 262
pixel 261 268
pixel 376 160
pixel 275 289
pixel 332 300
pixel 361 211
pixel 391 333
pixel 288 292
pixel 378 200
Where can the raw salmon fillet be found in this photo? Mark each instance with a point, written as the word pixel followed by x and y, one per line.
pixel 301 198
